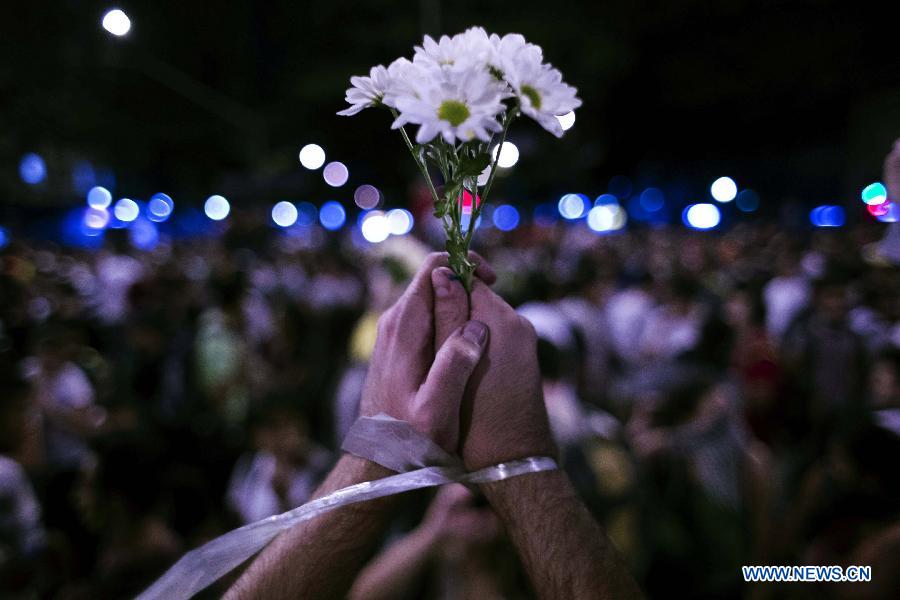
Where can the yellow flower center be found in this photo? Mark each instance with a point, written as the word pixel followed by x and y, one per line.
pixel 533 96
pixel 454 112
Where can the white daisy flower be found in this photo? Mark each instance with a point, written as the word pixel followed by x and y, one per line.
pixel 460 104
pixel 366 91
pixel 541 91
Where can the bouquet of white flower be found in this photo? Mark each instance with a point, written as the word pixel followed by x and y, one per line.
pixel 461 91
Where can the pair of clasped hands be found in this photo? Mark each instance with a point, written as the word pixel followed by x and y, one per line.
pixel 466 378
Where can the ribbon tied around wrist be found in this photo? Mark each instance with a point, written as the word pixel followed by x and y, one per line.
pixel 382 439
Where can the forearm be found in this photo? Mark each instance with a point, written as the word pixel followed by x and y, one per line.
pixel 316 559
pixel 392 573
pixel 562 547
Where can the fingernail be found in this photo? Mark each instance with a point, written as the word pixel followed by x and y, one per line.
pixel 475 331
pixel 442 282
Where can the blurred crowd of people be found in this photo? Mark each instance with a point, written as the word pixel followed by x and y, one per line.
pixel 719 399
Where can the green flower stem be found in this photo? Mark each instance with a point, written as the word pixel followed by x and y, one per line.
pixel 419 162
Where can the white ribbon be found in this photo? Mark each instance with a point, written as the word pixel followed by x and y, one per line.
pixel 201 567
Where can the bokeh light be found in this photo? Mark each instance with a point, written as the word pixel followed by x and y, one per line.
pixel 375 227
pixel 605 199
pixel 336 174
pixel 606 217
pixel 506 217
pixel 892 214
pixel 160 207
pixel 312 156
pixel 99 197
pixel 509 155
pixel 566 120
pixel 332 215
pixel 701 216
pixel 723 189
pixel 652 199
pixel 284 214
pixel 116 22
pixel 874 193
pixel 216 207
pixel 83 176
pixel 32 169
pixel 827 215
pixel 747 201
pixel 96 218
pixel 307 214
pixel 467 202
pixel 572 206
pixel 400 221
pixel 545 214
pixel 367 196
pixel 144 235
pixel 126 210
pixel 4 238
pixel 878 210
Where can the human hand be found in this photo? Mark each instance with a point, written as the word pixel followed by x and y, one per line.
pixel 407 379
pixel 503 416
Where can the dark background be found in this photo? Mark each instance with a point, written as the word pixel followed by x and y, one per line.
pixel 799 100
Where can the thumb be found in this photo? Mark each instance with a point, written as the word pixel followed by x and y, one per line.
pixel 441 394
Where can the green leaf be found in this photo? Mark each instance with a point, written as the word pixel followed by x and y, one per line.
pixel 472 166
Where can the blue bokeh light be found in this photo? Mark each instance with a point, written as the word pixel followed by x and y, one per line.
pixel 4 238
pixel 506 217
pixel 891 215
pixel 83 176
pixel 604 199
pixel 32 169
pixel 143 234
pixel 827 215
pixel 747 201
pixel 160 207
pixel 652 199
pixel 99 197
pixel 332 215
pixel 545 214
pixel 307 214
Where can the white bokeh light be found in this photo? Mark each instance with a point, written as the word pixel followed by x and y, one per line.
pixel 400 221
pixel 216 207
pixel 336 174
pixel 312 156
pixel 701 216
pixel 509 155
pixel 606 217
pixel 723 189
pixel 566 120
pixel 284 214
pixel 116 22
pixel 126 210
pixel 375 227
pixel 572 206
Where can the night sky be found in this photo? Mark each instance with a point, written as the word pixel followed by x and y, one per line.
pixel 799 100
